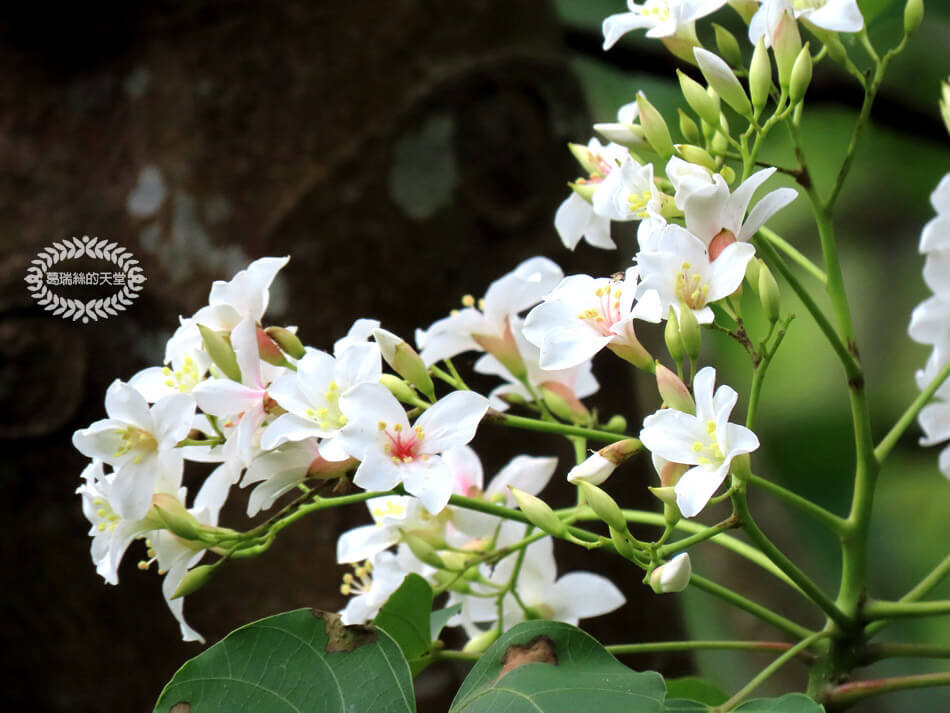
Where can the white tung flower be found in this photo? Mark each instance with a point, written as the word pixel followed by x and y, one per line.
pixel 706 441
pixel 936 234
pixel 371 585
pixel 660 18
pixel 377 432
pixel 934 418
pixel 834 15
pixel 629 193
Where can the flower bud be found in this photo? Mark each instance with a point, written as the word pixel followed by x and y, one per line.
pixel 666 494
pixel 654 127
pixel 720 142
pixel 741 467
pixel 539 513
pixel 688 128
pixel 635 353
pixel 728 46
pixel 481 642
pixel 603 505
pixel 697 155
pixel 722 240
pixel 913 15
pixel 621 133
pixel 728 174
pixel 405 361
pixel 786 45
pixel 620 451
pixel 745 8
pixel 504 349
pixel 673 391
pixel 513 399
pixel 697 98
pixel 423 551
pixel 268 350
pixel 459 562
pixel 287 341
pixel 769 294
pixel 672 576
pixel 398 388
pixel 221 353
pixel 760 76
pixel 671 513
pixel 622 543
pixel 596 469
pixel 562 402
pixel 194 580
pixel 689 331
pixel 616 424
pixel 723 80
pixel 674 341
pixel 752 272
pixel 174 517
pixel 801 76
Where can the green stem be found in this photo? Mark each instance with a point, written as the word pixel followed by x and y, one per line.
pixel 451 655
pixel 905 610
pixel 793 253
pixel 455 375
pixel 562 429
pixel 878 652
pixel 808 587
pixel 920 590
pixel 705 534
pixel 903 423
pixel 847 694
pixel 737 600
pixel 830 520
pixel 768 671
pixel 766 646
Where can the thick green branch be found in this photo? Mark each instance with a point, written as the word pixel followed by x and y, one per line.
pixel 562 429
pixel 905 610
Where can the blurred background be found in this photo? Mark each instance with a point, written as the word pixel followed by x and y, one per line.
pixel 404 154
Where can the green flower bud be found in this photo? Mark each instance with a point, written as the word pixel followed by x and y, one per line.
pixel 745 8
pixel 481 642
pixel 786 45
pixel 752 273
pixel 719 144
pixel 699 101
pixel 287 341
pixel 688 128
pixel 769 294
pixel 801 76
pixel 913 15
pixel 423 551
pixel 760 76
pixel 584 189
pixel 741 467
pixel 221 353
pixel 728 46
pixel 563 403
pixel 175 518
pixel 673 391
pixel 268 350
pixel 405 361
pixel 674 340
pixel 697 155
pixel 654 127
pixel 665 495
pixel 721 78
pixel 689 331
pixel 194 580
pixel 603 505
pixel 728 174
pixel 622 543
pixel 398 388
pixel 616 424
pixel 539 513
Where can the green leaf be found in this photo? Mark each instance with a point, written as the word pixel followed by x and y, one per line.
pixel 681 705
pixel 790 703
pixel 551 667
pixel 440 618
pixel 405 617
pixel 695 689
pixel 303 660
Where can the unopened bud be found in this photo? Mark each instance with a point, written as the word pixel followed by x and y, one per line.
pixel 481 642
pixel 728 175
pixel 671 473
pixel 723 80
pixel 741 467
pixel 697 98
pixel 596 469
pixel 584 189
pixel 745 8
pixel 194 580
pixel 621 133
pixel 620 451
pixel 603 505
pixel 674 340
pixel 673 391
pixel 513 399
pixel 405 361
pixel 690 332
pixel 769 294
pixel 268 349
pixel 563 403
pixel 801 76
pixel 671 513
pixel 720 143
pixel 786 44
pixel 654 127
pixel 173 515
pixel 622 543
pixel 423 551
pixel 760 76
pixel 221 353
pixel 459 562
pixel 752 272
pixel 539 513
pixel 728 46
pixel 633 352
pixel 913 15
pixel 697 155
pixel 398 388
pixel 616 424
pixel 672 576
pixel 688 128
pixel 287 340
pixel 722 240
pixel 665 495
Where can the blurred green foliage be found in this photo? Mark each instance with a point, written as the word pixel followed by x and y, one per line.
pixel 804 422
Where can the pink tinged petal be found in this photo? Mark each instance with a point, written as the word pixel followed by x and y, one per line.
pixel 466 468
pixel 172 416
pixel 378 472
pixel 451 421
pixel 365 407
pixel 528 473
pixel 151 384
pixel 581 595
pixel 728 270
pixel 616 26
pixel 123 403
pixel 431 481
pixel 770 204
pixel 837 16
pixel 225 398
pixel 364 542
pixel 288 427
pixel 696 487
pixel 133 487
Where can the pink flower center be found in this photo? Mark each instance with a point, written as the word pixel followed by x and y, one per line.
pixel 402 446
pixel 606 313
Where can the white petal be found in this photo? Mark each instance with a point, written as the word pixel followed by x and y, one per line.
pixel 365 406
pixel 377 472
pixel 616 26
pixel 770 204
pixel 431 481
pixel 364 542
pixel 696 487
pixel 837 16
pixel 581 595
pixel 451 421
pixel 288 427
pixel 225 398
pixel 172 416
pixel 133 487
pixel 528 473
pixel 124 403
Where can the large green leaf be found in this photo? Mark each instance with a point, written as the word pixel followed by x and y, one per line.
pixel 405 617
pixel 790 703
pixel 695 689
pixel 550 667
pixel 303 660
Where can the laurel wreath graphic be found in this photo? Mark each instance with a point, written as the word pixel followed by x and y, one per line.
pixel 76 309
